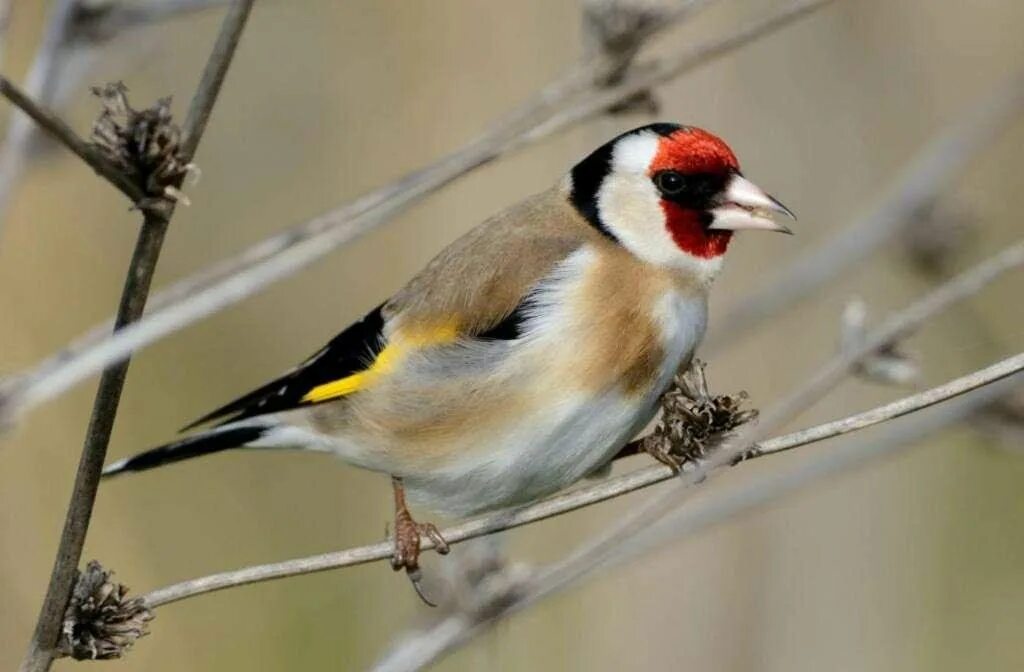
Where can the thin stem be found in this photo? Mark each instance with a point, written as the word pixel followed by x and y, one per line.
pixel 583 497
pixel 212 80
pixel 43 647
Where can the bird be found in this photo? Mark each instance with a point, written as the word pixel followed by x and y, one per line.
pixel 528 352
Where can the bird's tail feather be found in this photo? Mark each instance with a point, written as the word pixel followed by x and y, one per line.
pixel 204 443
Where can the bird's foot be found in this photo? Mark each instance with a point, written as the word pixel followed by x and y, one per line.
pixel 407 542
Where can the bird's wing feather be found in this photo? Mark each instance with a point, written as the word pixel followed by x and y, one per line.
pixel 475 288
pixel 348 353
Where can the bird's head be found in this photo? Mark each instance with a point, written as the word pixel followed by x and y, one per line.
pixel 672 195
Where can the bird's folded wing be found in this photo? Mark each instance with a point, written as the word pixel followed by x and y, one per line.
pixel 475 288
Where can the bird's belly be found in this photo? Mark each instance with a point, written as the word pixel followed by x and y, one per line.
pixel 530 460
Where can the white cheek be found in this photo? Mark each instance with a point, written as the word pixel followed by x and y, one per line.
pixel 630 206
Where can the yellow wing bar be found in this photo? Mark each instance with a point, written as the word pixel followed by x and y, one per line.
pixel 400 345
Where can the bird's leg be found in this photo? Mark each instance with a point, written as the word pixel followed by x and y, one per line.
pixel 407 540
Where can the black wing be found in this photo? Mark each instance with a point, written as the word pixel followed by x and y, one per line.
pixel 349 352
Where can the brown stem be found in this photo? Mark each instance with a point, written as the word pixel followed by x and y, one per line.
pixel 101 422
pixel 43 647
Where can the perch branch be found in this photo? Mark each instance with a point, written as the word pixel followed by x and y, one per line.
pixel 229 282
pixel 43 646
pixel 577 499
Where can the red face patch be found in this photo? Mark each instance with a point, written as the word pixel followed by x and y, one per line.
pixel 693 151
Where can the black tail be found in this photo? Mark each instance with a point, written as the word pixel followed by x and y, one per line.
pixel 204 443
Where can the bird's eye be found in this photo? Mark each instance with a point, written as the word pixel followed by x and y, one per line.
pixel 669 182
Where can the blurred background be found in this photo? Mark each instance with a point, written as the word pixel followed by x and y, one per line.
pixel 911 564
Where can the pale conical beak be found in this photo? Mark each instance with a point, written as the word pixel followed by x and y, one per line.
pixel 744 205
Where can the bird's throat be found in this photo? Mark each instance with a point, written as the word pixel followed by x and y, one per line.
pixel 690 234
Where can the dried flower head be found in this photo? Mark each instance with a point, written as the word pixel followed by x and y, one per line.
pixel 100 623
pixel 146 144
pixel 693 421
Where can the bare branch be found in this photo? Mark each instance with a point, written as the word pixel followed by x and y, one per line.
pixel 556 108
pixel 419 649
pixel 44 646
pixel 580 498
pixel 56 127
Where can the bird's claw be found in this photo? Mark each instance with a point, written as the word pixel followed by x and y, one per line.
pixel 407 536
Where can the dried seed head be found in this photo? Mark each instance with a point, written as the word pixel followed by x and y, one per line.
pixel 693 421
pixel 146 144
pixel 100 623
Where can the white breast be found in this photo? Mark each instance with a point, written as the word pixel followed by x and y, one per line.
pixel 571 434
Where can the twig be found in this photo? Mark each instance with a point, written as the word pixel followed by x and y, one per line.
pixel 926 178
pixel 282 255
pixel 577 499
pixel 42 648
pixel 56 127
pixel 420 649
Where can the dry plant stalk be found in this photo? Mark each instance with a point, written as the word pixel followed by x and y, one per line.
pixel 141 141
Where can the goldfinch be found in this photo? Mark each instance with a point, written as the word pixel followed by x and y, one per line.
pixel 529 351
